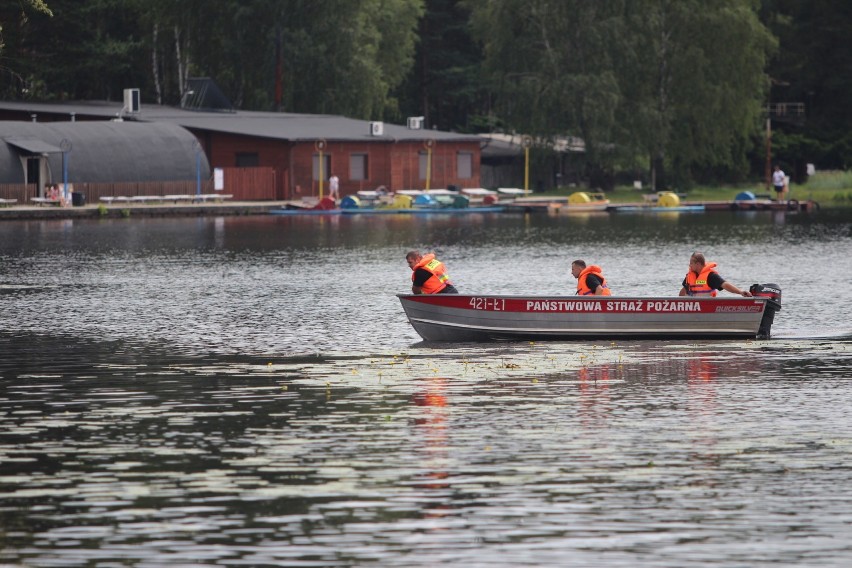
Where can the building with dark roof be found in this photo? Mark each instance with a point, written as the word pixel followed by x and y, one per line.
pixel 266 155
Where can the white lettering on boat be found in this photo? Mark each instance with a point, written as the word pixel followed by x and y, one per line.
pixel 624 306
pixel 563 306
pixel 493 304
pixel 673 306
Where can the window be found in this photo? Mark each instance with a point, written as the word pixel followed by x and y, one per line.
pixel 247 160
pixel 358 167
pixel 464 165
pixel 326 167
pixel 424 164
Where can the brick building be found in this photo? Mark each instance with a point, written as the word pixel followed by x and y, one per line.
pixel 266 155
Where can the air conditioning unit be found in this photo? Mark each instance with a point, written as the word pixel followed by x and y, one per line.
pixel 377 128
pixel 131 100
pixel 415 122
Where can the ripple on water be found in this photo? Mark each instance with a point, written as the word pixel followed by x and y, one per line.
pixel 152 415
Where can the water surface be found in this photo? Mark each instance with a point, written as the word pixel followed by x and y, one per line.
pixel 246 391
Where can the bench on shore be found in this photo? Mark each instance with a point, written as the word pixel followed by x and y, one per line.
pixel 215 197
pixel 45 201
pixel 511 192
pixel 141 199
pixel 145 199
pixel 7 202
pixel 151 199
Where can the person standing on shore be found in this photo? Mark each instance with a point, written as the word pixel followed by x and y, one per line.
pixel 779 182
pixel 334 188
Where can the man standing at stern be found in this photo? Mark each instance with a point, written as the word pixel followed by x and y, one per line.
pixel 428 274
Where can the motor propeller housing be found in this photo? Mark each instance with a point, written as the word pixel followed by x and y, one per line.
pixel 772 293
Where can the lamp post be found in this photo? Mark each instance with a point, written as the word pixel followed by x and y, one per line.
pixel 526 142
pixel 320 146
pixel 429 144
pixel 65 146
pixel 197 169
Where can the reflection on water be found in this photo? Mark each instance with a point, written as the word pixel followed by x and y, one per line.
pixel 222 392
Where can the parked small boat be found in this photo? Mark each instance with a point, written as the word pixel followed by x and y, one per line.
pixel 420 202
pixel 696 208
pixel 480 196
pixel 424 210
pixel 324 206
pixel 580 202
pixel 461 317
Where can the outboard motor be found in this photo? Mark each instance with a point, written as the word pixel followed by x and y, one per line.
pixel 772 293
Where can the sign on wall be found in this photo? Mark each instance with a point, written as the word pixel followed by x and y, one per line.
pixel 218 179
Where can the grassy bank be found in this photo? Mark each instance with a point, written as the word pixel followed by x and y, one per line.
pixel 829 189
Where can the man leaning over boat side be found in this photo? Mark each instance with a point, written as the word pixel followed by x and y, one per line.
pixel 590 279
pixel 703 280
pixel 428 274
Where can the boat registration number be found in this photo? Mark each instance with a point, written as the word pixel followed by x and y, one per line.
pixel 494 304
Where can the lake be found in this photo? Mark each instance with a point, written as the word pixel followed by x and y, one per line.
pixel 231 391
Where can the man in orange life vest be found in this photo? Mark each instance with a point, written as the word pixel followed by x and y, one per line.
pixel 703 280
pixel 590 281
pixel 428 274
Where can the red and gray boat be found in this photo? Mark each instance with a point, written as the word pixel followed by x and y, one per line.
pixel 462 317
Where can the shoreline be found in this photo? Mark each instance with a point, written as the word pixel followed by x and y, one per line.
pixel 128 211
pixel 246 208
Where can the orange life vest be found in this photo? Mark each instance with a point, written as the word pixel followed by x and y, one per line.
pixel 696 284
pixel 439 279
pixel 583 289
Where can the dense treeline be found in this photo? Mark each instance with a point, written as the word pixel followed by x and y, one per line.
pixel 674 91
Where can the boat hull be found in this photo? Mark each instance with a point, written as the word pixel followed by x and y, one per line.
pixel 458 317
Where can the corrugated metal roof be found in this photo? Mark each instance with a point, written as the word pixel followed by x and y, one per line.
pixel 275 125
pixel 33 145
pixel 105 151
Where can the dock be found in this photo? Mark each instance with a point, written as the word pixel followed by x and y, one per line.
pixel 140 209
pixel 542 205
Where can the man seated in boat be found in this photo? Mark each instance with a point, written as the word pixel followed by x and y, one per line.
pixel 428 274
pixel 590 279
pixel 703 280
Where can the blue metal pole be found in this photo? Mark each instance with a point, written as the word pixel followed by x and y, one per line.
pixel 65 176
pixel 197 173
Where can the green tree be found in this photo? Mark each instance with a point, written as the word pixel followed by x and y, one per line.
pixel 551 69
pixel 86 51
pixel 695 86
pixel 15 12
pixel 813 66
pixel 347 57
pixel 445 85
pixel 337 56
pixel 676 84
